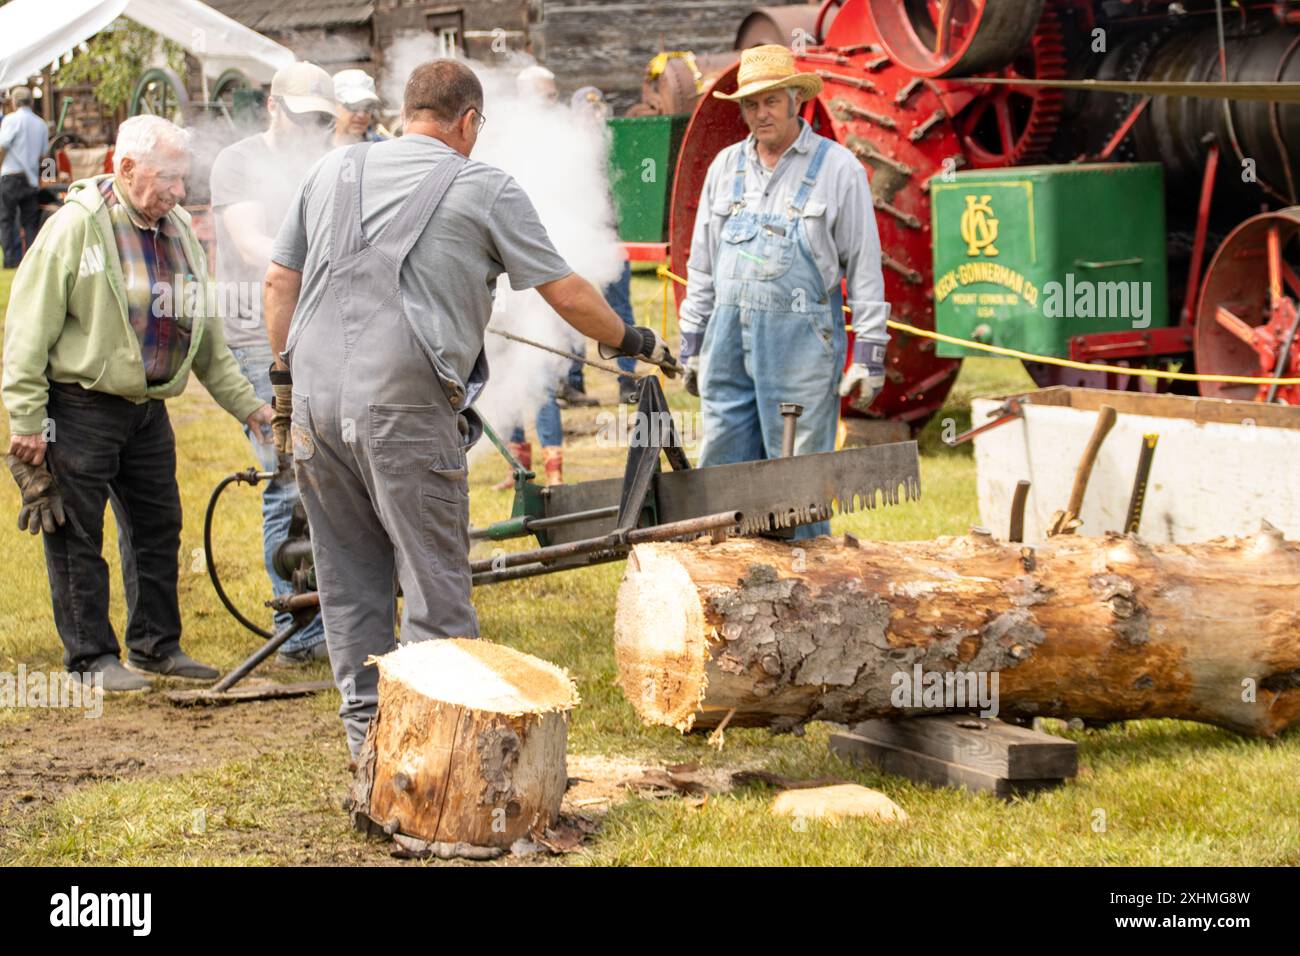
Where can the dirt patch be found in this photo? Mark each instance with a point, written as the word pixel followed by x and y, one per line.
pixel 48 754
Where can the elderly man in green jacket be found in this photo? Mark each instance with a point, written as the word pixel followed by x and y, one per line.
pixel 109 312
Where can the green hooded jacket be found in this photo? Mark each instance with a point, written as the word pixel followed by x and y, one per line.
pixel 67 320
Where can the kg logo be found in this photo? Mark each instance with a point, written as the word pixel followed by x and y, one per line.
pixel 979 228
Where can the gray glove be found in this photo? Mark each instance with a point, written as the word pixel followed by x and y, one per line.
pixel 692 380
pixel 42 508
pixel 866 374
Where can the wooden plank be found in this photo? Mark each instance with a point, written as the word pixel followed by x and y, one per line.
pixel 1000 749
pixel 921 768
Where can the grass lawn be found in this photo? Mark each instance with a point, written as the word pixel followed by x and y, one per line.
pixel 260 783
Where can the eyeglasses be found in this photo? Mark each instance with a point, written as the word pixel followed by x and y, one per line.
pixel 481 118
pixel 314 120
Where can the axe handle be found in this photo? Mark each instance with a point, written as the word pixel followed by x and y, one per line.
pixel 1105 422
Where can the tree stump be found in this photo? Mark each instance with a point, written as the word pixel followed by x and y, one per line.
pixel 761 633
pixel 467 745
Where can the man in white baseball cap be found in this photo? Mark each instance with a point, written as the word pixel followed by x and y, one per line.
pixel 358 108
pixel 253 182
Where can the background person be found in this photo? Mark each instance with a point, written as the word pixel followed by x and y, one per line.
pixel 24 142
pixel 358 108
pixel 106 320
pixel 252 184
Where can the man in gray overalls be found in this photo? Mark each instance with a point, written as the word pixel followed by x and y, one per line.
pixel 785 214
pixel 386 265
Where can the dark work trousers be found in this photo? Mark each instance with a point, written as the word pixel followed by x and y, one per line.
pixel 109 449
pixel 18 208
pixel 379 451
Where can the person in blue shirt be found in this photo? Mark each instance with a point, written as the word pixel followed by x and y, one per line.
pixel 24 142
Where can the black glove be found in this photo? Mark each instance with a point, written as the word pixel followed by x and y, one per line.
pixel 641 343
pixel 42 508
pixel 281 408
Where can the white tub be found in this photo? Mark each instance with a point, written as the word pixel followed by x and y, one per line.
pixel 1220 466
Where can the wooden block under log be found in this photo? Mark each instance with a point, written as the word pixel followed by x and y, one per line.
pixel 921 768
pixel 467 746
pixel 989 746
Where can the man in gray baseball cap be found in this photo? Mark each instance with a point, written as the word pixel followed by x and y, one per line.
pixel 253 181
pixel 358 108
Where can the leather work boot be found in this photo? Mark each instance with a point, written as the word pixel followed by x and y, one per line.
pixel 117 679
pixel 523 452
pixel 554 457
pixel 175 664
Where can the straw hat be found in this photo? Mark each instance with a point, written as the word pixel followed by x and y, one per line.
pixel 771 67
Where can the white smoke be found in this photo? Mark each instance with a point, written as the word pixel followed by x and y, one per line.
pixel 560 160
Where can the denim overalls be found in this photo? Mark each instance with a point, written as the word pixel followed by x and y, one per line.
pixel 776 335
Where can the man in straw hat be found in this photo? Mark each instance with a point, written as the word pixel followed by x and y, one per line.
pixel 784 216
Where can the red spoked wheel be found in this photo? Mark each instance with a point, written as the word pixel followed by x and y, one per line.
pixel 953 37
pixel 1247 319
pixel 1012 125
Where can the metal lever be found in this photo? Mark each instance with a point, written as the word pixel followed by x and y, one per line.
pixel 790 411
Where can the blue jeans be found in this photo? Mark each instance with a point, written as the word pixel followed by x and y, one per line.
pixel 278 498
pixel 619 296
pixel 550 431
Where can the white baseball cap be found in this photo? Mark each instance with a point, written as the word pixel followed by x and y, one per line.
pixel 354 88
pixel 304 87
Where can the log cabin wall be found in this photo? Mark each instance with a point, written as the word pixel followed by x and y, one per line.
pixel 607 43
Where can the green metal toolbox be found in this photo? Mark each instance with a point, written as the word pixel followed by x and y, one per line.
pixel 1026 257
pixel 642 159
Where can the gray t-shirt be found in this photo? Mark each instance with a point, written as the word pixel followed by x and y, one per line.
pixel 484 226
pixel 249 170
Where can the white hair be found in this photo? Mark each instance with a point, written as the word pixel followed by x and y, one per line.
pixel 141 135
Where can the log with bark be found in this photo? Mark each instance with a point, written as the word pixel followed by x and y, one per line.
pixel 753 632
pixel 467 746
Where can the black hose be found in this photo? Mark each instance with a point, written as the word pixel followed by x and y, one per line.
pixel 252 476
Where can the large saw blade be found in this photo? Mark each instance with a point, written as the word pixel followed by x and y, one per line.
pixel 784 492
pixel 771 494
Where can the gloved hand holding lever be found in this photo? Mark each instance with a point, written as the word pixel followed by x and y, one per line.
pixel 642 343
pixel 282 408
pixel 42 508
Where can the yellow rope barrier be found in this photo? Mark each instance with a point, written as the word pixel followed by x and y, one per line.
pixel 666 275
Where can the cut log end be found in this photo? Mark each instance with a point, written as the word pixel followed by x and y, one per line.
pixel 659 640
pixel 480 675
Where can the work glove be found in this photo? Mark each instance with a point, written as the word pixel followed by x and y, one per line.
pixel 42 508
pixel 641 343
pixel 281 408
pixel 866 375
pixel 691 342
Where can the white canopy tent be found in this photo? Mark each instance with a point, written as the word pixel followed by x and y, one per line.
pixel 36 33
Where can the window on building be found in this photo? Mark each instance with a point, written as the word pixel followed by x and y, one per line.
pixel 447 26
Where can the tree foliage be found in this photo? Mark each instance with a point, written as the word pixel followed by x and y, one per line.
pixel 115 58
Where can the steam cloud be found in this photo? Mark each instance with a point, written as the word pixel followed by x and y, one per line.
pixel 559 159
